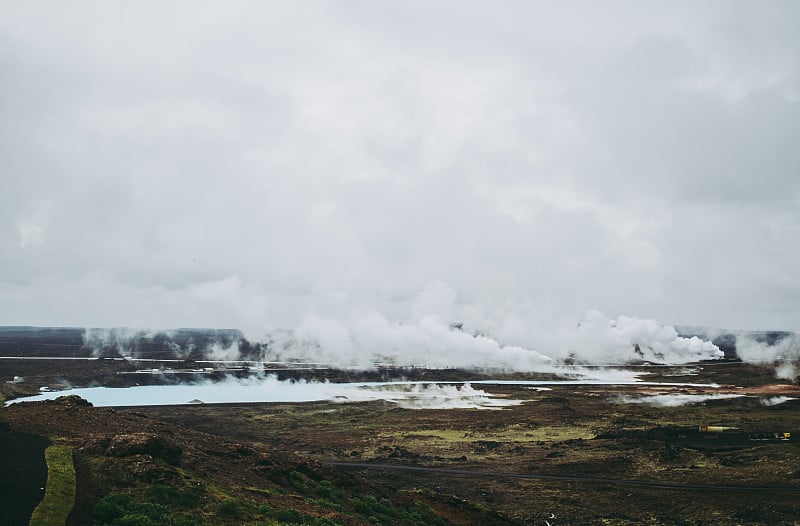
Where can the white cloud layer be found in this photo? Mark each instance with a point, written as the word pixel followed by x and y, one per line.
pixel 353 170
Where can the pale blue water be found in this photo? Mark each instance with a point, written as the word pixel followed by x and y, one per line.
pixel 439 395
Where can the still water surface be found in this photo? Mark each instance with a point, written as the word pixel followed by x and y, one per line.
pixel 414 395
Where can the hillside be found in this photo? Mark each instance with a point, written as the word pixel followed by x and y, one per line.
pixel 132 469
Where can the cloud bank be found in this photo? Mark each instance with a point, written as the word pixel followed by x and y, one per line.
pixel 365 174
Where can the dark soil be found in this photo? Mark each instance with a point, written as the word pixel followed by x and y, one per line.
pixel 23 475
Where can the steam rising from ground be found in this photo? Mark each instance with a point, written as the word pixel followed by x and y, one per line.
pixel 775 400
pixel 674 400
pixel 612 340
pixel 432 396
pixel 784 354
pixel 221 352
pixel 432 341
pixel 121 339
pixel 680 399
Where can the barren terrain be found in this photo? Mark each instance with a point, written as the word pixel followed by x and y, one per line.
pixel 568 454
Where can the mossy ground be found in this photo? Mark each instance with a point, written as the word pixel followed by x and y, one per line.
pixel 59 496
pixel 267 463
pixel 576 431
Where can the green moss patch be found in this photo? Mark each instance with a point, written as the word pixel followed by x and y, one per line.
pixel 59 497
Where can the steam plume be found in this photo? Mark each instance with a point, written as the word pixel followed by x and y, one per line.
pixel 367 340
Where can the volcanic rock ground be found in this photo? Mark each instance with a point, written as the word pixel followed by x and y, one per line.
pixel 260 463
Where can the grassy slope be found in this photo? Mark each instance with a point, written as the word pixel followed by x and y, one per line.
pixel 60 493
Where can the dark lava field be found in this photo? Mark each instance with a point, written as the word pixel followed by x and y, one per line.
pixel 565 455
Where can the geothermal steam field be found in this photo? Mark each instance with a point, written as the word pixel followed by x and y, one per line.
pixel 206 427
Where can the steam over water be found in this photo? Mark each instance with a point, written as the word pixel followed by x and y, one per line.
pixel 407 395
pixel 410 395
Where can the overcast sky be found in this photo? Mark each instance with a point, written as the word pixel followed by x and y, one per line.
pixel 512 164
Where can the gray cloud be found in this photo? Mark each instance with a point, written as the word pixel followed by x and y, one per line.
pixel 263 165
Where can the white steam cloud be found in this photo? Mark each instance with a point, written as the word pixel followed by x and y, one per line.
pixel 786 371
pixel 612 340
pixel 751 350
pixel 432 341
pixel 221 352
pixel 431 396
pixel 775 400
pixel 123 340
pixel 783 354
pixel 674 400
